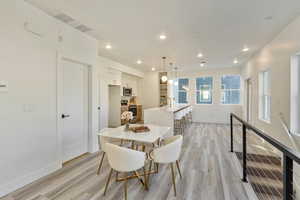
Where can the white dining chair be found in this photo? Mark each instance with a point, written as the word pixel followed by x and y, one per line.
pixel 169 153
pixel 125 160
pixel 102 148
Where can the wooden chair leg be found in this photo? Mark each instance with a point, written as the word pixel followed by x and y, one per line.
pixel 173 178
pixel 144 148
pixel 150 167
pixel 100 164
pixel 125 188
pixel 177 164
pixel 117 175
pixel 107 182
pixel 139 177
pixel 145 179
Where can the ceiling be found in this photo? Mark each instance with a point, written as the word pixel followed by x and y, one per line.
pixel 219 29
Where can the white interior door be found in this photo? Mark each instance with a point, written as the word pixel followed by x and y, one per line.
pixel 74 116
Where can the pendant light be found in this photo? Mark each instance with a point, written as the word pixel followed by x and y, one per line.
pixel 164 78
pixel 176 76
pixel 171 81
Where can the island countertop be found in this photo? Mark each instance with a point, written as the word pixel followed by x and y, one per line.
pixel 173 109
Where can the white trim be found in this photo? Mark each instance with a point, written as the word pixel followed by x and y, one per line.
pixel 212 89
pixel 187 92
pixel 265 121
pixel 90 141
pixel 222 90
pixel 261 94
pixel 29 178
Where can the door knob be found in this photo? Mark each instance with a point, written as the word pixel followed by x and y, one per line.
pixel 64 116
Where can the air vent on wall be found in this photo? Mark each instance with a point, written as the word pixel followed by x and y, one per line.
pixel 83 28
pixel 64 18
pixel 72 22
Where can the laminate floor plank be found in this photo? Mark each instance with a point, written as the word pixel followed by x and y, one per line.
pixel 207 168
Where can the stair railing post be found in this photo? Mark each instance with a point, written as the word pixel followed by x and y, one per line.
pixel 244 179
pixel 231 133
pixel 287 178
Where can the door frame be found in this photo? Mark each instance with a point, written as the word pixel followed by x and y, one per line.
pixel 249 93
pixel 59 92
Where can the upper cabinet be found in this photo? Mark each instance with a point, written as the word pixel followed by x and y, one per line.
pixel 130 81
pixel 114 76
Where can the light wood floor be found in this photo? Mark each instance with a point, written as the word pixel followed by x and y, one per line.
pixel 209 172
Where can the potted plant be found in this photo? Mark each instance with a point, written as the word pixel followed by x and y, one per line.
pixel 127 116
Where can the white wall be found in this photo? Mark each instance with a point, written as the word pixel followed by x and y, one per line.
pixel 216 112
pixel 29 143
pixel 114 114
pixel 295 95
pixel 29 139
pixel 128 75
pixel 275 56
pixel 131 81
pixel 149 90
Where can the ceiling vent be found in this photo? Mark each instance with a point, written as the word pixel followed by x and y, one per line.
pixel 64 18
pixel 83 28
pixel 72 22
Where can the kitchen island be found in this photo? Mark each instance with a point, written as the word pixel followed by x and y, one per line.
pixel 163 116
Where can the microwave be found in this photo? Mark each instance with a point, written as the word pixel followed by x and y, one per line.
pixel 127 92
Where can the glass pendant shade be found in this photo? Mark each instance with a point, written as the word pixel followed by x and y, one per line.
pixel 164 78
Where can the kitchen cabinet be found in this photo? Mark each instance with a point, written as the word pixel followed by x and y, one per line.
pixel 114 77
pixel 130 84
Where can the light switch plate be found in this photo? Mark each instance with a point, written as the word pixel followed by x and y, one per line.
pixel 3 86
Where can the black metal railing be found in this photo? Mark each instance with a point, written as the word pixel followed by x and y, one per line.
pixel 289 155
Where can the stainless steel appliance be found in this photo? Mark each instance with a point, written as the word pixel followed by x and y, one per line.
pixel 124 102
pixel 133 109
pixel 127 92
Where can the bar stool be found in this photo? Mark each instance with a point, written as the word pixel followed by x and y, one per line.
pixel 178 122
pixel 190 114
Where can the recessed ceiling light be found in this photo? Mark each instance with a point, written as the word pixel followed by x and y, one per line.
pixel 200 55
pixel 162 37
pixel 202 64
pixel 153 68
pixel 235 61
pixel 245 49
pixel 108 46
pixel 139 62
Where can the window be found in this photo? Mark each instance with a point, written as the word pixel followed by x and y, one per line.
pixel 204 87
pixel 230 86
pixel 182 91
pixel 264 96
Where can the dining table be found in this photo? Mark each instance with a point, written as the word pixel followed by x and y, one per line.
pixel 154 134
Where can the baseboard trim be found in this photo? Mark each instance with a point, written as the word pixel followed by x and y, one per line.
pixel 28 178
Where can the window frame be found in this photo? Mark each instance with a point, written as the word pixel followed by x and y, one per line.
pixel 221 96
pixel 211 90
pixel 187 94
pixel 262 95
